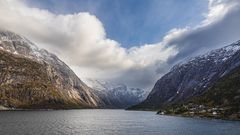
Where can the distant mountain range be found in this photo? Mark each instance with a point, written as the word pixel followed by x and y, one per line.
pixel 207 85
pixel 116 95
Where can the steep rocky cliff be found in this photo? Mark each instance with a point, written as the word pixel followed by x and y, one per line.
pixel 34 78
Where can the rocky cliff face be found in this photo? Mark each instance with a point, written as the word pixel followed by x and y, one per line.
pixel 34 78
pixel 192 78
pixel 116 95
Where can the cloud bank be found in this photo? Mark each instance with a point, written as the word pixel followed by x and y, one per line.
pixel 80 40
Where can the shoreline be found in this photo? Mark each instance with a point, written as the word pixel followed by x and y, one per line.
pixel 3 110
pixel 186 116
pixel 199 117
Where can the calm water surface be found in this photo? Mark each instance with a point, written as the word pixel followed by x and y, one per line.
pixel 109 122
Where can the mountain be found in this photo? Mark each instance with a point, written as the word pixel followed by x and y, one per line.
pixel 33 78
pixel 116 95
pixel 192 78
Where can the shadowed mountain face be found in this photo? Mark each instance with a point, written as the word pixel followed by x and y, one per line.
pixel 34 78
pixel 192 78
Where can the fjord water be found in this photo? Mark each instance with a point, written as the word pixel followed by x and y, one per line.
pixel 109 122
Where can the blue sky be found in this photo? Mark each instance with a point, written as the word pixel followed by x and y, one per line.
pixel 133 22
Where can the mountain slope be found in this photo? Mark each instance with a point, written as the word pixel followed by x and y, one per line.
pixel 222 100
pixel 192 78
pixel 116 95
pixel 35 78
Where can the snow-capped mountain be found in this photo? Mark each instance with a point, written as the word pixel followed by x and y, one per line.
pixel 116 95
pixel 68 91
pixel 194 77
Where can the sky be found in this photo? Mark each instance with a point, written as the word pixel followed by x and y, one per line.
pixel 132 22
pixel 133 42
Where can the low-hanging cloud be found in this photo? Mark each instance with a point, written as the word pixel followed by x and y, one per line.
pixel 80 40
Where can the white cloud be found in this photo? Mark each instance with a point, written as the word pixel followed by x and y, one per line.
pixel 218 9
pixel 80 40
